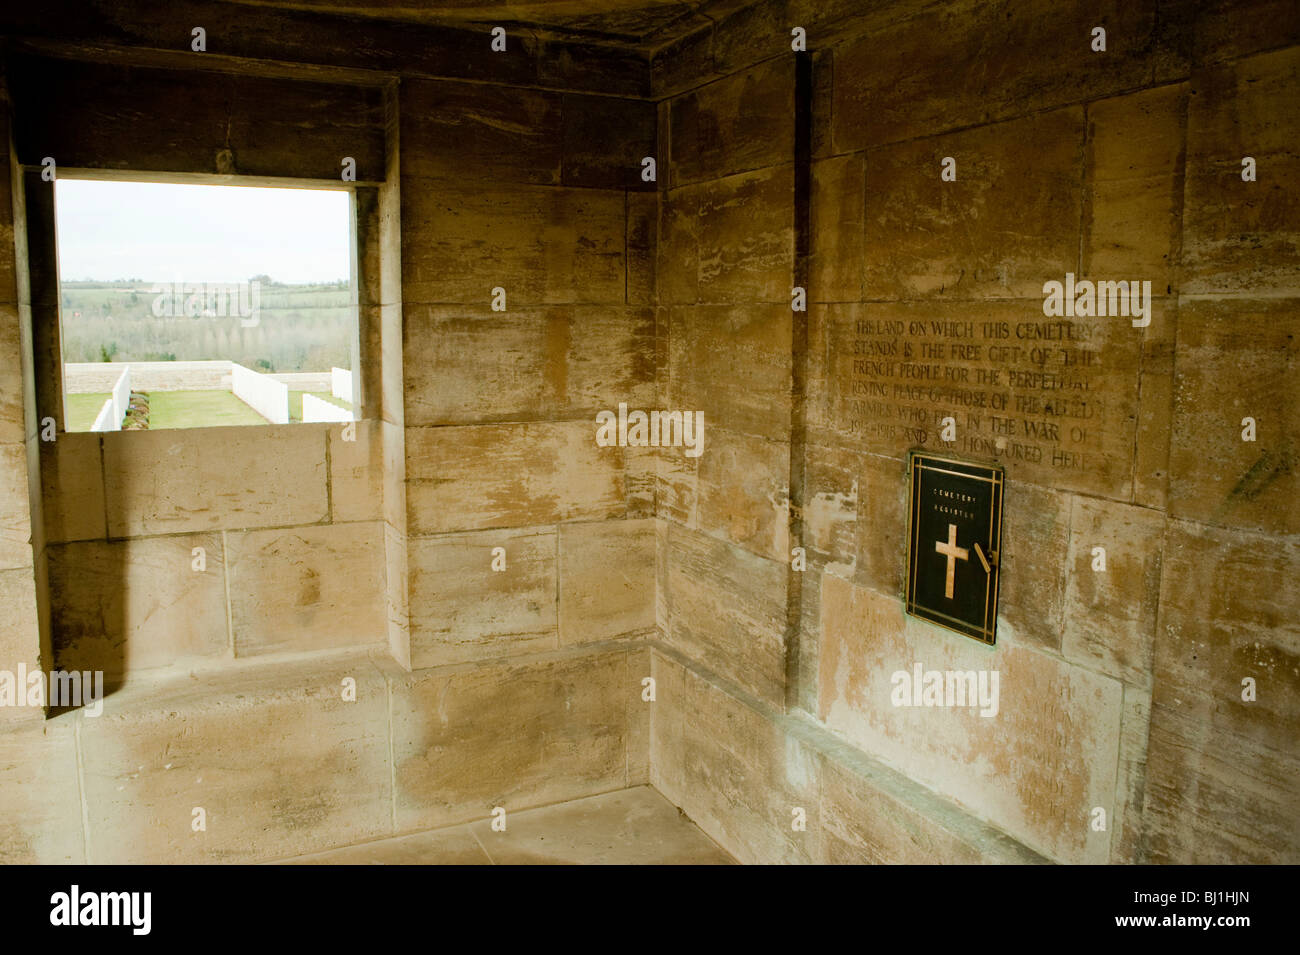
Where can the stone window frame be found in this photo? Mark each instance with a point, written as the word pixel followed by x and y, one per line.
pixel 43 266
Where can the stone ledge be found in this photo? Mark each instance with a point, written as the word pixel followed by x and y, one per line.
pixel 982 840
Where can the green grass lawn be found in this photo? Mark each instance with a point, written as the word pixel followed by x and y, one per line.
pixel 79 411
pixel 187 409
pixel 198 409
pixel 295 402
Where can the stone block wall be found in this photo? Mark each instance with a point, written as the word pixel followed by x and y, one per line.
pixel 325 557
pixel 499 585
pixel 526 310
pixel 1120 690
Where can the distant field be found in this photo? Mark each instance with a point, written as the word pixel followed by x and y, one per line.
pixel 295 402
pixel 79 411
pixel 299 327
pixel 198 409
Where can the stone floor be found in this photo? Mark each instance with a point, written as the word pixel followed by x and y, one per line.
pixel 629 827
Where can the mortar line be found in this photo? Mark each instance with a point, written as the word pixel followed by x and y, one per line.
pixel 479 840
pixel 392 768
pixel 103 487
pixel 81 789
pixel 795 475
pixel 329 481
pixel 225 576
pixel 559 643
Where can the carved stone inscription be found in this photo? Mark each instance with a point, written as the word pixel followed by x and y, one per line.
pixel 1050 398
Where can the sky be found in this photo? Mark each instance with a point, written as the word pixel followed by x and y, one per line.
pixel 165 232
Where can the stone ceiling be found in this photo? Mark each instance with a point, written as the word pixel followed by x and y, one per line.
pixel 642 23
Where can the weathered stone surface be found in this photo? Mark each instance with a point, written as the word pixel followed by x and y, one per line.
pixel 820 133
pixel 391 385
pixel 1134 199
pixel 1035 542
pixel 469 365
pixel 467 739
pixel 15 508
pixel 307 588
pixel 1227 29
pixel 510 475
pixel 167 482
pixel 639 709
pixel 744 492
pixel 642 248
pixel 457 131
pixel 543 245
pixel 662 609
pixel 682 64
pixel 1156 408
pixel 832 488
pixel 1110 614
pixel 727 611
pixel 735 774
pixel 1007 224
pixel 1035 769
pixel 855 517
pixel 733 364
pixel 19 629
pixel 1214 797
pixel 397 595
pixel 279 761
pixel 837 223
pixel 1126 821
pixel 1236 359
pixel 10 177
pixel 678 260
pixel 574 64
pixel 631 827
pixel 604 141
pixel 733 125
pixel 12 424
pixel 120 606
pixel 278 128
pixel 356 472
pixel 894 84
pixel 463 609
pixel 72 486
pixel 1053 400
pixel 1227 612
pixel 748 33
pixel 640 479
pixel 606 580
pixel 453 846
pixel 41 824
pixel 744 236
pixel 865 823
pixel 1240 237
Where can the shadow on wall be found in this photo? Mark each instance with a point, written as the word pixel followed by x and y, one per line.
pixel 128 603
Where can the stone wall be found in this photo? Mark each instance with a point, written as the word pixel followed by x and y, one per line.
pixel 24 630
pixel 1120 689
pixel 498 584
pixel 530 201
pixel 215 542
pixel 515 686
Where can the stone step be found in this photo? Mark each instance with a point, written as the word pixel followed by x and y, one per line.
pixel 635 826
